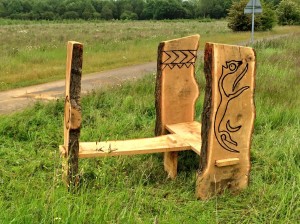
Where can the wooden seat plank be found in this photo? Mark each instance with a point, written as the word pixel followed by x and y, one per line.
pixel 190 132
pixel 164 143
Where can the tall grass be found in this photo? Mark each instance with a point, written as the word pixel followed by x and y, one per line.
pixel 134 189
pixel 34 52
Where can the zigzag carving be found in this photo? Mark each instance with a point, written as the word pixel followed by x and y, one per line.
pixel 179 58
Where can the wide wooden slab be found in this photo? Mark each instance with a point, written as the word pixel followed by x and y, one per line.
pixel 227 119
pixel 190 132
pixel 176 88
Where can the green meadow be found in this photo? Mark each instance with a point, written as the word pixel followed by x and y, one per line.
pixel 135 189
pixel 34 52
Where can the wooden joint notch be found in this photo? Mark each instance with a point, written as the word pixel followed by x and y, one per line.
pixel 227 162
pixel 62 151
pixel 172 138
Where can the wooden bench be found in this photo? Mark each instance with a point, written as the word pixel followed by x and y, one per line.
pixel 222 141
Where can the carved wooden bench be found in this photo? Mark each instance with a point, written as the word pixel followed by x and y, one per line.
pixel 222 141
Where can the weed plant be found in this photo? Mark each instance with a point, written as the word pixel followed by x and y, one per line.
pixel 34 52
pixel 134 189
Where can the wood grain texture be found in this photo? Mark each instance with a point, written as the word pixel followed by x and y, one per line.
pixel 72 114
pixel 227 119
pixel 190 132
pixel 158 144
pixel 176 89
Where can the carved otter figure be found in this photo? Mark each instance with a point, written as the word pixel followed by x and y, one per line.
pixel 223 128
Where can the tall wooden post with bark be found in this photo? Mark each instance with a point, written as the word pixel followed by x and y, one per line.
pixel 72 116
pixel 176 89
pixel 227 119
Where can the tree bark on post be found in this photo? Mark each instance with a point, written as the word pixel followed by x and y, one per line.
pixel 72 114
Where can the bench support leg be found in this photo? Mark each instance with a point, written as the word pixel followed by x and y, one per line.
pixel 72 115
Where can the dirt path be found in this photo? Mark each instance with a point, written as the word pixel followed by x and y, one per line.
pixel 17 99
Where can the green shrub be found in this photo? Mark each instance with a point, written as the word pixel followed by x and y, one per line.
pixel 71 15
pixel 288 13
pixel 127 15
pixel 238 21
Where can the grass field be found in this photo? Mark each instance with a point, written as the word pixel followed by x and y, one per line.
pixel 34 52
pixel 134 189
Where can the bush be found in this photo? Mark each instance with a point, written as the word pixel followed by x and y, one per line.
pixel 238 21
pixel 288 13
pixel 266 20
pixel 169 10
pixel 127 15
pixel 48 15
pixel 71 15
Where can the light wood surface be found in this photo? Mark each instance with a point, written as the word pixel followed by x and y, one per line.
pixel 133 147
pixel 227 162
pixel 186 137
pixel 227 119
pixel 190 132
pixel 176 89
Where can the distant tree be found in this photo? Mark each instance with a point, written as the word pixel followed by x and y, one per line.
pixel 149 10
pixel 214 8
pixel 169 10
pixel 61 9
pixel 70 15
pixel 138 6
pixel 273 2
pixel 288 12
pixel 268 18
pixel 3 11
pixel 114 9
pixel 190 9
pixel 89 10
pixel 47 15
pixel 75 6
pixel 122 6
pixel 107 12
pixel 27 6
pixel 238 21
pixel 127 15
pixel 14 7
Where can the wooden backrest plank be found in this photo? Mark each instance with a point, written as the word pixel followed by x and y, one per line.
pixel 227 119
pixel 176 87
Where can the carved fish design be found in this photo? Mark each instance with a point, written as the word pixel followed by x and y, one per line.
pixel 223 129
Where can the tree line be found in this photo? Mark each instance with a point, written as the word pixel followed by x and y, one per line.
pixel 286 12
pixel 115 9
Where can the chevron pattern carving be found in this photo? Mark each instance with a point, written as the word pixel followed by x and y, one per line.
pixel 179 58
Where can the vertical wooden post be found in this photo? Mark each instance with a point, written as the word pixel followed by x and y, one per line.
pixel 72 115
pixel 227 119
pixel 176 89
